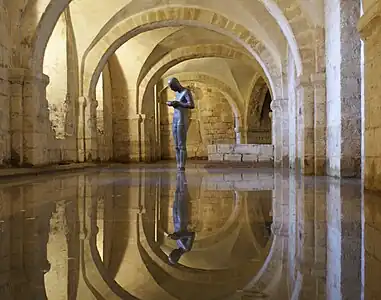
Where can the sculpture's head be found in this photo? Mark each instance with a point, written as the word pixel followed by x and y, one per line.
pixel 175 85
pixel 175 255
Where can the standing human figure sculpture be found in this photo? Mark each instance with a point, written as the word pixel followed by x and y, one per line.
pixel 182 104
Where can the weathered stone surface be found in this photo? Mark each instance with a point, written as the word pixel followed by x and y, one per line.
pixel 232 157
pixel 250 157
pixel 216 157
pixel 242 152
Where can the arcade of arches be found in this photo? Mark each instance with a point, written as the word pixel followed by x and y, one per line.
pixel 86 82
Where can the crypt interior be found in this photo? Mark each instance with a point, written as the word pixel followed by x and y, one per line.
pixel 282 192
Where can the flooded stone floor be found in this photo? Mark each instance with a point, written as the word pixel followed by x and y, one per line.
pixel 147 232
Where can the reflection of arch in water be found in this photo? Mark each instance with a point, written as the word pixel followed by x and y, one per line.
pixel 154 256
pixel 95 275
pixel 190 283
pixel 182 279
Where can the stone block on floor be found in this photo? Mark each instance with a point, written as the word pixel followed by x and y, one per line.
pixel 233 157
pixel 225 148
pixel 216 157
pixel 212 149
pixel 250 157
pixel 247 149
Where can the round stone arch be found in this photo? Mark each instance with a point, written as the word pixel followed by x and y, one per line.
pixel 96 57
pixel 186 37
pixel 223 49
pixel 35 35
pixel 191 275
pixel 183 54
pixel 227 91
pixel 254 108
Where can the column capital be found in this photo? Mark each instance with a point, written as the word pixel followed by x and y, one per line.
pixel 82 101
pixel 370 20
pixel 303 81
pixel 318 78
pixel 19 75
pixel 279 104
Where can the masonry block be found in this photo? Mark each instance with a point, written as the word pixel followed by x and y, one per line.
pixel 250 157
pixel 225 148
pixel 216 157
pixel 233 157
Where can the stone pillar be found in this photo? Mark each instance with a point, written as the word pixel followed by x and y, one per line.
pixel 81 156
pixel 240 135
pixel 133 138
pixel 370 29
pixel 305 126
pixel 284 103
pixel 277 134
pixel 146 138
pixel 320 123
pixel 90 129
pixel 343 56
pixel 30 123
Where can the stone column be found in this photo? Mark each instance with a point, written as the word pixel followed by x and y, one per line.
pixel 320 123
pixel 146 138
pixel 343 55
pixel 305 126
pixel 90 129
pixel 240 135
pixel 277 134
pixel 283 103
pixel 133 138
pixel 30 123
pixel 370 29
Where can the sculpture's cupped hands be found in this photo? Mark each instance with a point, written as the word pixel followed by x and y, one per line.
pixel 173 103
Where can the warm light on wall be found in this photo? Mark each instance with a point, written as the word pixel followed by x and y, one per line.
pixel 270 115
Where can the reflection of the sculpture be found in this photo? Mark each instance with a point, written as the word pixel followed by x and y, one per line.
pixel 183 237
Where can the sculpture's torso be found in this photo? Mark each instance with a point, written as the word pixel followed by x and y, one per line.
pixel 180 114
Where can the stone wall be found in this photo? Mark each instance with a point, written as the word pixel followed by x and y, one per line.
pixel 5 45
pixel 241 153
pixel 259 136
pixel 372 246
pixel 212 121
pixel 370 27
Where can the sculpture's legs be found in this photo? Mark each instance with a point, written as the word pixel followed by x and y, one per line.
pixel 176 141
pixel 180 205
pixel 182 144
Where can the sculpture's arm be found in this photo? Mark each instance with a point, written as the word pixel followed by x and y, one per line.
pixel 189 101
